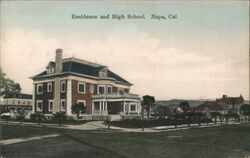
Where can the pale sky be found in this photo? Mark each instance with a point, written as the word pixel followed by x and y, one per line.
pixel 201 55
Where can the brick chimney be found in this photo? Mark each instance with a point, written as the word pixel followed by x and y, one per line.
pixel 58 60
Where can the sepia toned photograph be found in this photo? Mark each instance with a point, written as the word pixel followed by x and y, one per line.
pixel 124 79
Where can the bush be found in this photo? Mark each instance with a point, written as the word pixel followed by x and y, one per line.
pixel 60 117
pixel 37 117
pixel 5 117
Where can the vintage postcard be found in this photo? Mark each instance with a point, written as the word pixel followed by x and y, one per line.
pixel 129 79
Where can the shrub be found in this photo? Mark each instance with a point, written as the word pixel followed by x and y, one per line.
pixel 5 117
pixel 37 117
pixel 60 117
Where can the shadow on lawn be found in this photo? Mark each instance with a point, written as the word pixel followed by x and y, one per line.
pixel 117 155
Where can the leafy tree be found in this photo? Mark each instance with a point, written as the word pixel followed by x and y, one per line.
pixel 226 116
pixel 78 109
pixel 148 102
pixel 198 116
pixel 215 115
pixel 20 116
pixel 177 117
pixel 162 111
pixel 8 86
pixel 59 117
pixel 245 109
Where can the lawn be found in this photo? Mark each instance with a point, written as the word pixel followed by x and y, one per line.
pixel 226 141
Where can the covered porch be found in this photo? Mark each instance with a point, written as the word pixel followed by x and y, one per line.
pixel 115 105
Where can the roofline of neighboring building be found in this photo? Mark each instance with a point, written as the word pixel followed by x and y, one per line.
pixel 77 74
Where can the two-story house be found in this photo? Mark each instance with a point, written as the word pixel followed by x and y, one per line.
pixel 71 80
pixel 231 103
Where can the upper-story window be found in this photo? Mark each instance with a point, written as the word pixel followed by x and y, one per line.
pixel 50 70
pixel 39 88
pixel 120 91
pixel 63 86
pixel 101 89
pixel 109 90
pixel 81 87
pixel 49 87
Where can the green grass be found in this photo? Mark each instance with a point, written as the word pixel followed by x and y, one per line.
pixel 216 142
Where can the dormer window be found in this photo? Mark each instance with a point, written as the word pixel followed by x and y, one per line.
pixel 50 70
pixel 103 72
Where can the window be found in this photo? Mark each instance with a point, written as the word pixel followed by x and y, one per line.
pixel 101 89
pixel 102 74
pixel 63 105
pixel 39 105
pixel 121 91
pixel 39 89
pixel 63 86
pixel 109 89
pixel 132 107
pixel 49 87
pixel 50 70
pixel 50 105
pixel 81 102
pixel 81 87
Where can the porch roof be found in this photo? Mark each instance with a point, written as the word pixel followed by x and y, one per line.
pixel 116 96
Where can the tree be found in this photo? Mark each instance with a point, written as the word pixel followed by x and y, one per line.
pixel 184 105
pixel 59 117
pixel 215 116
pixel 162 111
pixel 198 116
pixel 78 109
pixel 245 109
pixel 20 116
pixel 8 86
pixel 226 116
pixel 148 102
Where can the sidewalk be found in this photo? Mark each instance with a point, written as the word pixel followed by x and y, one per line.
pixel 99 125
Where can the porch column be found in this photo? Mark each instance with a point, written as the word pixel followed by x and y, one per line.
pixel 92 108
pixel 100 106
pixel 124 107
pixel 69 97
pixel 128 108
pixel 106 111
pixel 138 108
pixel 33 98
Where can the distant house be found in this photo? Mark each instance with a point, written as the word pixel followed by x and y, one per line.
pixel 66 82
pixel 178 110
pixel 16 101
pixel 210 106
pixel 231 103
